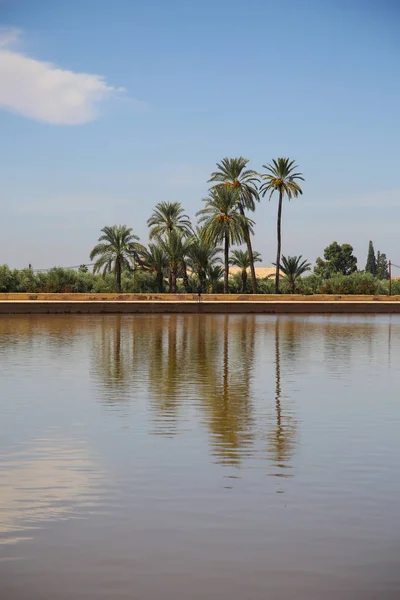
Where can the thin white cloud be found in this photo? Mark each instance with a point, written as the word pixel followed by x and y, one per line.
pixel 44 92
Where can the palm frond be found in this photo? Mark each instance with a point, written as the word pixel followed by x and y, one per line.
pixel 168 217
pixel 281 176
pixel 232 172
pixel 240 258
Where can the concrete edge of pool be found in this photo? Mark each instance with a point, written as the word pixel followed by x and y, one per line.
pixel 19 307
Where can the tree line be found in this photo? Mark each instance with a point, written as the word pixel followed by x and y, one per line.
pixel 340 259
pixel 175 245
pixel 182 257
pixel 64 280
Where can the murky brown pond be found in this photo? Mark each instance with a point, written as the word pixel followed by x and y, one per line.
pixel 221 457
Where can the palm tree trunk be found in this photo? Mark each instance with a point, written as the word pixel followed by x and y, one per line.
pixel 278 250
pixel 250 253
pixel 226 256
pixel 160 282
pixel 202 281
pixel 170 284
pixel 173 281
pixel 185 277
pixel 244 281
pixel 118 274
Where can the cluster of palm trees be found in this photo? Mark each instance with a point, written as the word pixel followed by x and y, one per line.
pixel 176 247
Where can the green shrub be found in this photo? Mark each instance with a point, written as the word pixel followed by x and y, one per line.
pixel 235 284
pixel 357 283
pixel 266 286
pixel 310 284
pixel 395 287
pixel 139 282
pixel 24 281
pixel 6 279
pixel 105 284
pixel 84 282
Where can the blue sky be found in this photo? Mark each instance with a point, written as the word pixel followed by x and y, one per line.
pixel 108 107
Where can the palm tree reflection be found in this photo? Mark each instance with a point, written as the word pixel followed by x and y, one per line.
pixel 112 364
pixel 166 359
pixel 225 392
pixel 200 361
pixel 282 438
pixel 177 363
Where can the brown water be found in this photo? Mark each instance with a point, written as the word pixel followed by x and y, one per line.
pixel 199 456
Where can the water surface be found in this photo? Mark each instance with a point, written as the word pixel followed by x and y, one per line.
pixel 199 456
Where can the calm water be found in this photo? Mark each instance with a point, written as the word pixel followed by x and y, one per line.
pixel 223 457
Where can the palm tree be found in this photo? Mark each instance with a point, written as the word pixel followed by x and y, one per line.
pixel 175 247
pixel 168 217
pixel 280 177
pixel 241 259
pixel 232 172
pixel 223 223
pixel 202 255
pixel 155 259
pixel 293 267
pixel 214 274
pixel 116 250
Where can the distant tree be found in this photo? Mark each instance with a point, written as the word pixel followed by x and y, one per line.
pixel 115 251
pixel 6 279
pixel 214 275
pixel 202 255
pixel 168 217
pixel 371 265
pixel 154 259
pixel 293 267
pixel 338 259
pixel 281 177
pixel 382 266
pixel 83 269
pixel 175 246
pixel 241 259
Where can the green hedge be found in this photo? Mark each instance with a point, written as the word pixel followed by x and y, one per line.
pixel 59 280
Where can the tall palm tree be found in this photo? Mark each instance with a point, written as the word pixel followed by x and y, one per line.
pixel 202 255
pixel 175 247
pixel 241 259
pixel 223 222
pixel 155 259
pixel 232 172
pixel 293 267
pixel 168 217
pixel 281 177
pixel 116 249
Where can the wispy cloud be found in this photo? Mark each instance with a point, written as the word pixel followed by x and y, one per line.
pixel 45 92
